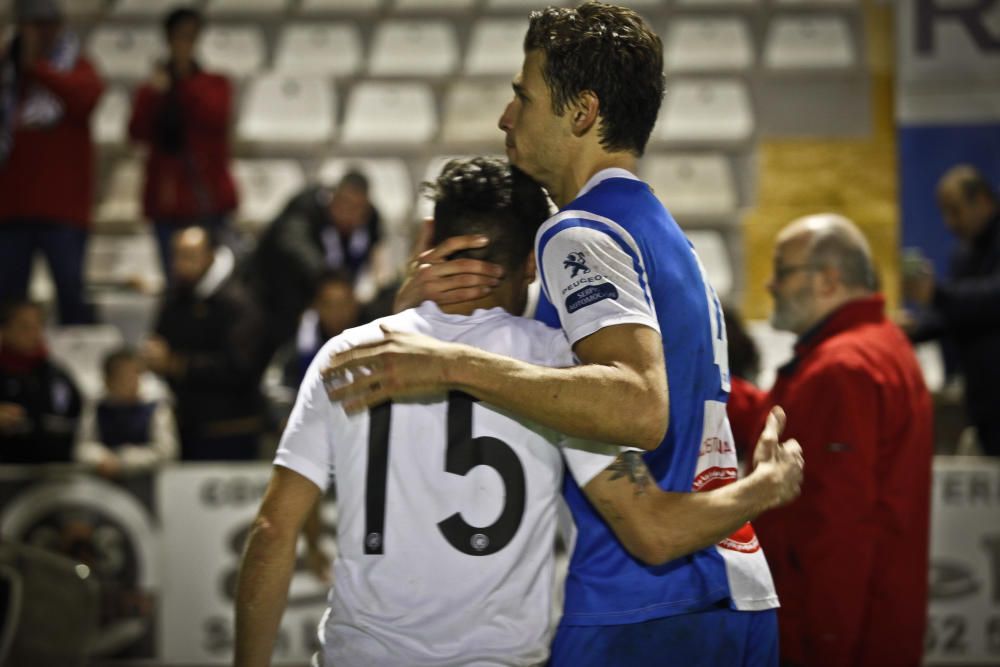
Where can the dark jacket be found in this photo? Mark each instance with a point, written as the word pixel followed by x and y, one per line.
pixel 966 310
pixel 52 403
pixel 221 341
pixel 293 253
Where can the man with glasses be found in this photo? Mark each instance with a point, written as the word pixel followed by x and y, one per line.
pixel 849 557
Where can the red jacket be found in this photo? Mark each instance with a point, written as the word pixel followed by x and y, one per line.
pixel 850 556
pixel 196 182
pixel 49 174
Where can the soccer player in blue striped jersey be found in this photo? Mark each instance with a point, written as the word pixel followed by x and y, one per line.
pixel 629 292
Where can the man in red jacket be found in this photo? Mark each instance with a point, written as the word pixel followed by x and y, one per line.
pixel 47 93
pixel 182 114
pixel 849 557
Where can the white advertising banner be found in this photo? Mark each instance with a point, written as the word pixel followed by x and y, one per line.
pixel 208 510
pixel 964 613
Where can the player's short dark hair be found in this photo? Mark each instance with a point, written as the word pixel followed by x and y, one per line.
pixel 354 179
pixel 611 51
pixel 179 16
pixel 488 196
pixel 9 309
pixel 332 277
pixel 976 185
pixel 117 357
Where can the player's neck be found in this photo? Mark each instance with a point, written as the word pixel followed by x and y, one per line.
pixel 581 170
pixel 500 297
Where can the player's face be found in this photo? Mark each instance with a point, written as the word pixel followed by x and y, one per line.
pixel 534 133
pixel 24 332
pixel 792 288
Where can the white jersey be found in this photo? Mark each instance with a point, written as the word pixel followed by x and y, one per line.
pixel 446 508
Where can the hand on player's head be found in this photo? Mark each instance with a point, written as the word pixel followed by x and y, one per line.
pixel 434 277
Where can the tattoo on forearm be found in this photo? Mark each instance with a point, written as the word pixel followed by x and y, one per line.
pixel 630 465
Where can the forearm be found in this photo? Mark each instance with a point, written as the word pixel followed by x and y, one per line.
pixel 609 403
pixel 262 593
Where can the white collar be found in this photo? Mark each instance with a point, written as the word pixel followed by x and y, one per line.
pixel 222 267
pixel 603 175
pixel 429 309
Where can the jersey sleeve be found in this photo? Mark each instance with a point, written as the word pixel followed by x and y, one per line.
pixel 306 445
pixel 593 273
pixel 586 459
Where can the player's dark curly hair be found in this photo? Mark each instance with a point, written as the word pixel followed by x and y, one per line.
pixel 488 196
pixel 611 51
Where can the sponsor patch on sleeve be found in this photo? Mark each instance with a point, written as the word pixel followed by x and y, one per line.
pixel 590 295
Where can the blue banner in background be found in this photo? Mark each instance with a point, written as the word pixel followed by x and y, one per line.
pixel 925 153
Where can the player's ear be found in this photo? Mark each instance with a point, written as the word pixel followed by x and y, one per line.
pixel 584 112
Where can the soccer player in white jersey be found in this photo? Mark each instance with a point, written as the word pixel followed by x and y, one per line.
pixel 629 292
pixel 446 506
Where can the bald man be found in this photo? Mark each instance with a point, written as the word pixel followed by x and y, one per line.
pixel 964 308
pixel 849 557
pixel 209 345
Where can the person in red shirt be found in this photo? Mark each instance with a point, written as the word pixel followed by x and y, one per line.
pixel 182 114
pixel 850 556
pixel 48 91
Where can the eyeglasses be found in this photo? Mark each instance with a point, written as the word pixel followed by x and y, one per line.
pixel 782 272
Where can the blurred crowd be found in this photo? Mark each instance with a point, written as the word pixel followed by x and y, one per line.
pixel 229 310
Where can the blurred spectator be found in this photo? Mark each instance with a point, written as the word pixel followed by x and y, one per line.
pixel 209 346
pixel 964 308
pixel 744 357
pixel 122 433
pixel 319 230
pixel 48 90
pixel 182 115
pixel 334 309
pixel 39 403
pixel 850 556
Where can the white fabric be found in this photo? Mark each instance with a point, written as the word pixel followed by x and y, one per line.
pixel 580 260
pixel 422 601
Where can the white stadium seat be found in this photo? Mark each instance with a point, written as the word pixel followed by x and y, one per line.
pixel 116 259
pixel 433 5
pixel 522 4
pixel 84 8
pixel 387 113
pixel 109 124
pixel 795 42
pixel 81 349
pixel 714 255
pixel 495 47
pixel 696 185
pixel 265 186
pixel 471 111
pixel 776 349
pixel 706 111
pixel 413 48
pixel 708 43
pixel 388 178
pixel 236 51
pixel 231 7
pixel 125 53
pixel 712 4
pixel 152 9
pixel 286 109
pixel 122 201
pixel 329 49
pixel 338 6
pixel 818 3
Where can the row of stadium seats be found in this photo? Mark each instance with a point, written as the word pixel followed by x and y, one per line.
pixel 430 48
pixel 302 111
pixel 155 8
pixel 695 186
